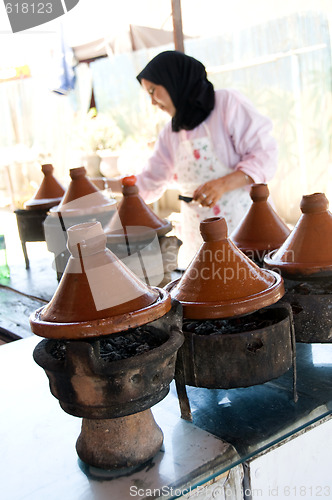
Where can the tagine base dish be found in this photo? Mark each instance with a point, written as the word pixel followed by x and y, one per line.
pixel 233 307
pixel 298 270
pixel 100 327
pixel 137 234
pixel 43 204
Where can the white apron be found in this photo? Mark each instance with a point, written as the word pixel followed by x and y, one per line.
pixel 195 164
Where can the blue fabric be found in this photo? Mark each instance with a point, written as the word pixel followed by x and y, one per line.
pixel 65 73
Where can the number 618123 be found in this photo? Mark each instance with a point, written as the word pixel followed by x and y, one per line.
pixel 29 8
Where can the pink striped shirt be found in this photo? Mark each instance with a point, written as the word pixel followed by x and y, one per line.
pixel 241 138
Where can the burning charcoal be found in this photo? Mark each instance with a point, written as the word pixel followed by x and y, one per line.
pixel 204 328
pixel 112 356
pixel 58 350
pixel 221 326
pixel 246 323
pixel 116 347
pixel 320 287
pixel 142 348
pixel 131 343
pixel 190 325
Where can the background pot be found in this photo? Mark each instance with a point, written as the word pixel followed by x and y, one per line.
pixel 261 230
pixel 307 252
pixel 108 162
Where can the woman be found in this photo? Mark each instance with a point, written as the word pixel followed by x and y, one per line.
pixel 214 147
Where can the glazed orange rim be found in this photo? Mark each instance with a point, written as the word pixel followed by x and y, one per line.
pixel 100 327
pixel 147 234
pixel 230 308
pixel 258 246
pixel 38 201
pixel 81 211
pixel 305 267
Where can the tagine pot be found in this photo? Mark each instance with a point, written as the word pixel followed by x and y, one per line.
pixel 109 353
pixel 305 262
pixel 135 234
pixel 134 218
pixel 82 202
pixel 307 252
pixel 97 294
pixel 237 332
pixel 82 197
pixel 261 230
pixel 221 281
pixel 30 219
pixel 50 191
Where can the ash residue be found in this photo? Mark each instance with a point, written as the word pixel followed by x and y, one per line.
pixel 232 325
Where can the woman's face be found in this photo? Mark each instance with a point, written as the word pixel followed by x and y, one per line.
pixel 159 96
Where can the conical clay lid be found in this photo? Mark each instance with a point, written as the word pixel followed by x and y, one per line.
pixel 97 294
pixel 49 193
pixel 221 281
pixel 307 252
pixel 134 217
pixel 82 196
pixel 261 230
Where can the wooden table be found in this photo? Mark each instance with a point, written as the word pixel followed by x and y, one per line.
pixel 25 291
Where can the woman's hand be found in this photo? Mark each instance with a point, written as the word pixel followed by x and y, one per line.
pixel 210 192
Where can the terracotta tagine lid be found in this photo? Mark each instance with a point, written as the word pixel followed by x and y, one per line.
pixel 307 252
pixel 261 230
pixel 221 281
pixel 50 191
pixel 97 295
pixel 134 217
pixel 82 196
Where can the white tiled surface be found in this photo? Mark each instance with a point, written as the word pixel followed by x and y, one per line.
pixel 38 457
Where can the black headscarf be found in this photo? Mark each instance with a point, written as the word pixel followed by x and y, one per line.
pixel 185 80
